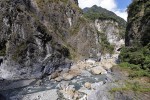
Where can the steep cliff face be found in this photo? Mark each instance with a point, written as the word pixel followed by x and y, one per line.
pixel 138 27
pixel 37 37
pixel 111 28
pixel 136 54
pixel 30 39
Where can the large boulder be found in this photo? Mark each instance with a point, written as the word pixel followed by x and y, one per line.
pixel 98 70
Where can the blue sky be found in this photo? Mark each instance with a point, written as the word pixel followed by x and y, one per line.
pixel 117 6
pixel 122 4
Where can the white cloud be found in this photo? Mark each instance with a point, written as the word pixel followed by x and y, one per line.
pixel 123 14
pixel 108 4
pixel 88 3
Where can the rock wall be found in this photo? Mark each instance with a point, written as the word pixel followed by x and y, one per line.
pixel 111 29
pixel 30 37
pixel 138 26
pixel 111 37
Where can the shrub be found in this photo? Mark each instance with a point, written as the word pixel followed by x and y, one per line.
pixel 128 65
pixel 137 59
pixel 139 73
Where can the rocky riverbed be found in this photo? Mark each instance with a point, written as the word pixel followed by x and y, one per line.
pixel 85 80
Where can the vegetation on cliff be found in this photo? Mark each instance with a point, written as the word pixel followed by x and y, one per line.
pixel 136 54
pixel 106 47
pixel 97 13
pixel 138 26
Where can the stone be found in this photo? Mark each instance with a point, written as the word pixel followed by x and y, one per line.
pixel 63 85
pixel 75 72
pixel 96 86
pixel 74 81
pixel 84 97
pixel 58 79
pixel 68 92
pixel 107 64
pixel 42 95
pixel 85 73
pixel 71 74
pixel 76 95
pixel 90 61
pixel 65 70
pixel 68 76
pixel 82 65
pixel 54 75
pixel 39 82
pixel 87 85
pixel 98 70
pixel 85 91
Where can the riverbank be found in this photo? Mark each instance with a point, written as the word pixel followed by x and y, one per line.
pixel 85 80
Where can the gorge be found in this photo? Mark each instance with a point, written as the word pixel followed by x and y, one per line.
pixel 53 50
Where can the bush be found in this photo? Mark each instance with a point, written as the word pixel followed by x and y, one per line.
pixel 139 73
pixel 137 59
pixel 128 65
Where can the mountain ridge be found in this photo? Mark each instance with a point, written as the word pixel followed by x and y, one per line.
pixel 102 13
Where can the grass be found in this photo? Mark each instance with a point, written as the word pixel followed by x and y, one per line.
pixel 41 3
pixel 80 23
pixel 129 86
pixel 134 70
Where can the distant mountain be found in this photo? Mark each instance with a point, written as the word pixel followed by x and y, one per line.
pixel 96 12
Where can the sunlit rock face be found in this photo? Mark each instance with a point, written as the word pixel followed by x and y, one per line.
pixel 111 29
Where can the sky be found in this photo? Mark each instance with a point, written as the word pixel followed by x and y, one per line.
pixel 117 6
